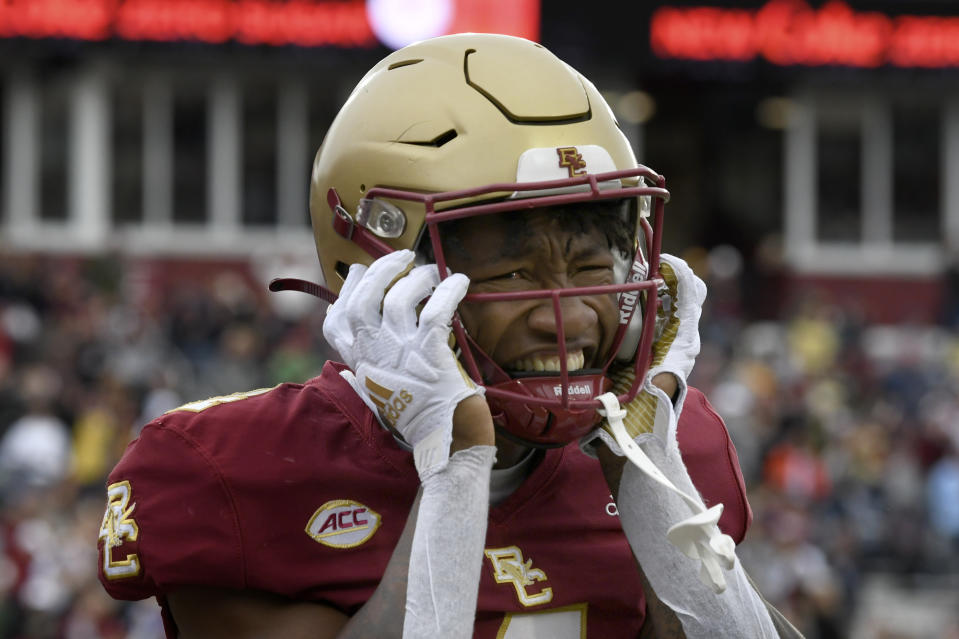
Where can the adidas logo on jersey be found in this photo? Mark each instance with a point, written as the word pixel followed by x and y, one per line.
pixel 389 403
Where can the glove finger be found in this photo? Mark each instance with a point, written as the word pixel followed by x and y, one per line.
pixel 667 297
pixel 363 307
pixel 685 286
pixel 399 305
pixel 335 311
pixel 352 279
pixel 442 304
pixel 680 311
pixel 335 329
pixel 667 270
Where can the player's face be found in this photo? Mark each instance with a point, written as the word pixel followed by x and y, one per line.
pixel 499 255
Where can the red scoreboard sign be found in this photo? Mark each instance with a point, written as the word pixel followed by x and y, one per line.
pixel 308 23
pixel 790 32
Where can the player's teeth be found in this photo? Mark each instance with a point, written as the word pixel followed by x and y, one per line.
pixel 574 361
pixel 577 360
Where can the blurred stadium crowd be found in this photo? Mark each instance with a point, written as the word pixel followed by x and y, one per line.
pixel 848 434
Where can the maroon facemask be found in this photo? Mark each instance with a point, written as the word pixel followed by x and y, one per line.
pixel 537 409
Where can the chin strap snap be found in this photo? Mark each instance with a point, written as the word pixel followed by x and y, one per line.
pixel 698 537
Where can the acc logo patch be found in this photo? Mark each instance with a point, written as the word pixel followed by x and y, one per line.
pixel 343 523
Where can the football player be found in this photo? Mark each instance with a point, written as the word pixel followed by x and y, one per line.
pixel 509 448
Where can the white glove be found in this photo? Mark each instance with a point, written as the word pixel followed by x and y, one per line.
pixel 676 348
pixel 674 351
pixel 405 370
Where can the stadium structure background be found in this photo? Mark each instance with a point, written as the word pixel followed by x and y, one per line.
pixel 156 152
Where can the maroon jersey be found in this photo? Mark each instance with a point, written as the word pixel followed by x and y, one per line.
pixel 296 490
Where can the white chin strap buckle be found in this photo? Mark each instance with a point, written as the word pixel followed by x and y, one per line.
pixel 698 537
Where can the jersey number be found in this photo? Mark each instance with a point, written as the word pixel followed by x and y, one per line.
pixel 568 622
pixel 119 526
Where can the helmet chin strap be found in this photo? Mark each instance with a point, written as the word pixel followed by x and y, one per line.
pixel 303 286
pixel 698 536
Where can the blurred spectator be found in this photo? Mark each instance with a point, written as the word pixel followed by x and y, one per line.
pixel 942 496
pixel 794 572
pixel 35 450
pixel 795 466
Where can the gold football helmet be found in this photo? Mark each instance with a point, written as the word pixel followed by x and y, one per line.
pixel 473 124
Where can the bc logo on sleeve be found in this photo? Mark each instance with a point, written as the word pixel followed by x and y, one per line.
pixel 117 528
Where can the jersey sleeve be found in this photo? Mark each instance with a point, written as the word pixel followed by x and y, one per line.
pixel 713 464
pixel 169 520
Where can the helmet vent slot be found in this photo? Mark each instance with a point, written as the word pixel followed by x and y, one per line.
pixel 404 63
pixel 438 141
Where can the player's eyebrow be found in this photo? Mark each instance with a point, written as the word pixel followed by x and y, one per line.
pixel 584 251
pixel 516 242
pixel 576 247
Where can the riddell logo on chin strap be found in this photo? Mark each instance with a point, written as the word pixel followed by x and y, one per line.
pixel 389 405
pixel 572 160
pixel 577 390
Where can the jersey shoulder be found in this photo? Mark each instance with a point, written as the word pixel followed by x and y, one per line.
pixel 179 500
pixel 713 464
pixel 274 418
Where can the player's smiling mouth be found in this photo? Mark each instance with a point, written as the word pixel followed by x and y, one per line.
pixel 548 363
